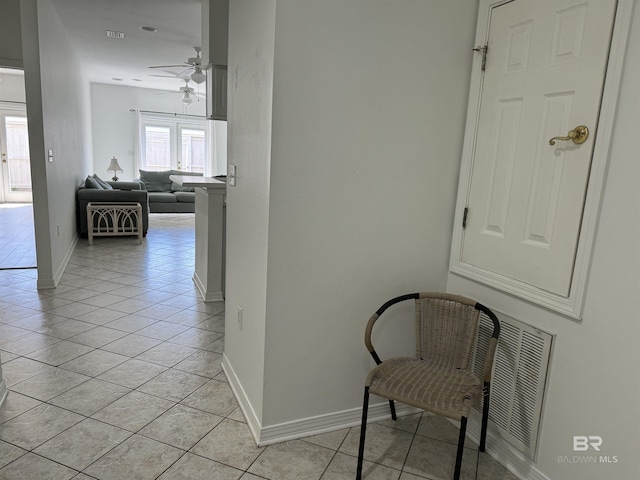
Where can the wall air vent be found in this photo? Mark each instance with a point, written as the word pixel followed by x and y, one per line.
pixel 518 382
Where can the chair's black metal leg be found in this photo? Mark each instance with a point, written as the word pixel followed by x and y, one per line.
pixel 485 416
pixel 363 428
pixel 463 432
pixel 392 406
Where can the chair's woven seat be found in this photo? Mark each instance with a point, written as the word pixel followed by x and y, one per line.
pixel 443 390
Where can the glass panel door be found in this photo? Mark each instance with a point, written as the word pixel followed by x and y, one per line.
pixel 16 168
pixel 192 152
pixel 175 143
pixel 158 147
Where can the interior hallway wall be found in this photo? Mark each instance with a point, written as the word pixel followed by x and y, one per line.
pixel 250 93
pixel 59 112
pixel 361 176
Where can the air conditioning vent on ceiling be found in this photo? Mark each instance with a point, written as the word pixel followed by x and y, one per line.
pixel 114 34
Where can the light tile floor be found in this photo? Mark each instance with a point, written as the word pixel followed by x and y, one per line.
pixel 17 241
pixel 116 375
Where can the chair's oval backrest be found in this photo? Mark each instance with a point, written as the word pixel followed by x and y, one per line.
pixel 446 327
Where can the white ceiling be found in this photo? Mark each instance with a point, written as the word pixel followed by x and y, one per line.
pixel 103 58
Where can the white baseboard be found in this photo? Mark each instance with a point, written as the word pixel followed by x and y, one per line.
pixel 243 401
pixel 504 453
pixel 304 427
pixel 51 283
pixel 329 422
pixel 3 391
pixel 207 296
pixel 45 283
pixel 65 261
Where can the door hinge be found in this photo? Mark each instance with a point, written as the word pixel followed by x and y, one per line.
pixel 464 217
pixel 483 50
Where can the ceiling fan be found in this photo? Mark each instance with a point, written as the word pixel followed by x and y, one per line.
pixel 187 92
pixel 192 63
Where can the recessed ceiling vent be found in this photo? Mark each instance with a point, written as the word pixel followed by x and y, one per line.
pixel 114 34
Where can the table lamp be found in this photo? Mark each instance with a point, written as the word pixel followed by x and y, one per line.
pixel 115 167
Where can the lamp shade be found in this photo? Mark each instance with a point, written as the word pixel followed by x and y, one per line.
pixel 114 166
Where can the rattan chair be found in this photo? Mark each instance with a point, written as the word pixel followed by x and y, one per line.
pixel 438 378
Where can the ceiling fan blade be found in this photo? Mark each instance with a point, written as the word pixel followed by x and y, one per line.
pixel 176 76
pixel 182 73
pixel 182 65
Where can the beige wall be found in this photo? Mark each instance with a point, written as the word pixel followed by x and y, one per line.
pixel 347 197
pixel 367 119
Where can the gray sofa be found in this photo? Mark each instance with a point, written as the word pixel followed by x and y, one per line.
pixel 94 189
pixel 166 196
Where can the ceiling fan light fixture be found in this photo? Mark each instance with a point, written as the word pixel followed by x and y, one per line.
pixel 186 99
pixel 197 76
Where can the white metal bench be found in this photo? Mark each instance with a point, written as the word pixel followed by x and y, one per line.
pixel 106 219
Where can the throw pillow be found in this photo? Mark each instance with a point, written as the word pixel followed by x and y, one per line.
pixel 102 183
pixel 91 182
pixel 156 181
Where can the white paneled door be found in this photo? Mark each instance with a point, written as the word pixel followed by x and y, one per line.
pixel 16 166
pixel 544 76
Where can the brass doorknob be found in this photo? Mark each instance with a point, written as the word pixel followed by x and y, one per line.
pixel 578 135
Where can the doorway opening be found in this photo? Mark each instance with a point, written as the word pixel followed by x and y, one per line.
pixel 17 237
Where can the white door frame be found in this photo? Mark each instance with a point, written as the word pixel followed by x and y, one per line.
pixel 572 305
